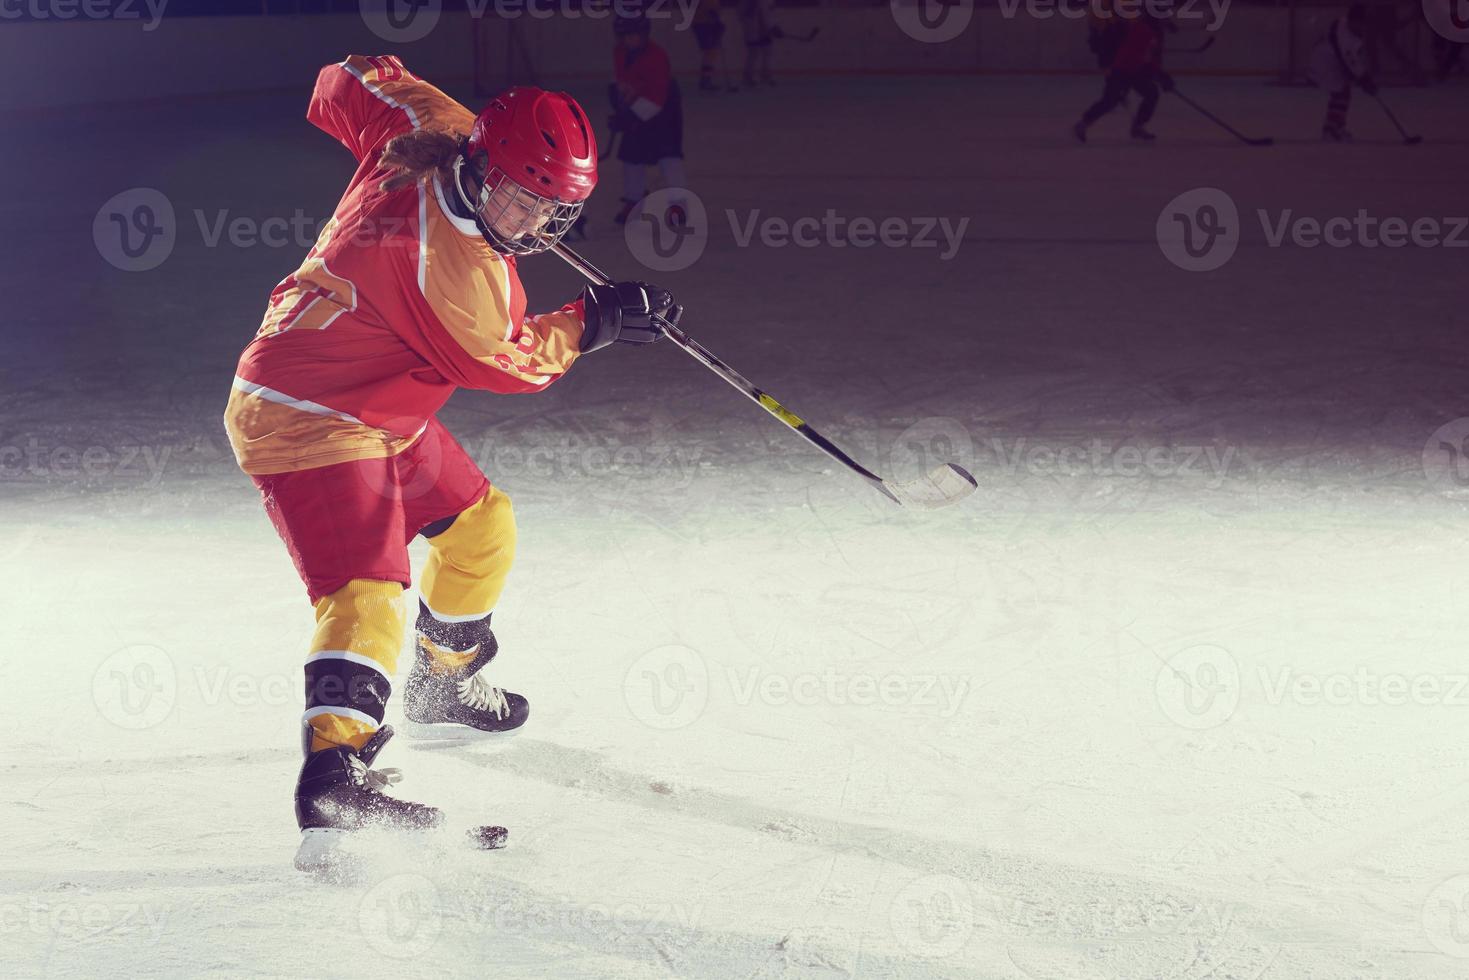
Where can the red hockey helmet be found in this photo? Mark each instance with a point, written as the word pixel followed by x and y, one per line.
pixel 533 156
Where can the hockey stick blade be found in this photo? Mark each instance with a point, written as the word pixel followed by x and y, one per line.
pixel 940 487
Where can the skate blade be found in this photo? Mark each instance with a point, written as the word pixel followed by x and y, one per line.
pixel 321 853
pixel 448 732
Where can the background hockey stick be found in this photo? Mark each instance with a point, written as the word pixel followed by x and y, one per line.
pixel 941 486
pixel 1407 139
pixel 610 146
pixel 1256 141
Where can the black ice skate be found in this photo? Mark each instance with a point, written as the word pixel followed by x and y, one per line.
pixel 338 793
pixel 456 702
pixel 1140 133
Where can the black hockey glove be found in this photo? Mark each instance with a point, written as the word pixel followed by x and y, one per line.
pixel 1165 81
pixel 1369 84
pixel 623 313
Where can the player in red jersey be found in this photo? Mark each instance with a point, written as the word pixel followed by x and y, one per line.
pixel 411 292
pixel 648 110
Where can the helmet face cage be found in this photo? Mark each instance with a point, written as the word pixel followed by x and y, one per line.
pixel 505 204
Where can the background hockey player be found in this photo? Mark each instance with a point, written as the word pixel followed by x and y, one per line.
pixel 410 292
pixel 648 111
pixel 1136 65
pixel 1339 60
pixel 709 33
pixel 758 25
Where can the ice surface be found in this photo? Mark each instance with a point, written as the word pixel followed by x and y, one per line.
pixel 781 727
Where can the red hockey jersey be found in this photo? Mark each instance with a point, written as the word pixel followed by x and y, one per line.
pixel 398 303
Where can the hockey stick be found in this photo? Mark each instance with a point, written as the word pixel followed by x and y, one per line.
pixel 1407 139
pixel 611 145
pixel 1257 141
pixel 943 485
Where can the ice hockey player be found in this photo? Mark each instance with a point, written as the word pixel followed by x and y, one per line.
pixel 648 111
pixel 758 26
pixel 1339 60
pixel 1136 66
pixel 410 292
pixel 709 33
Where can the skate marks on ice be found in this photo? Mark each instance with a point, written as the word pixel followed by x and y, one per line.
pixel 1052 918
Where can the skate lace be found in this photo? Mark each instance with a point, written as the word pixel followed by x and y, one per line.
pixel 373 779
pixel 479 694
